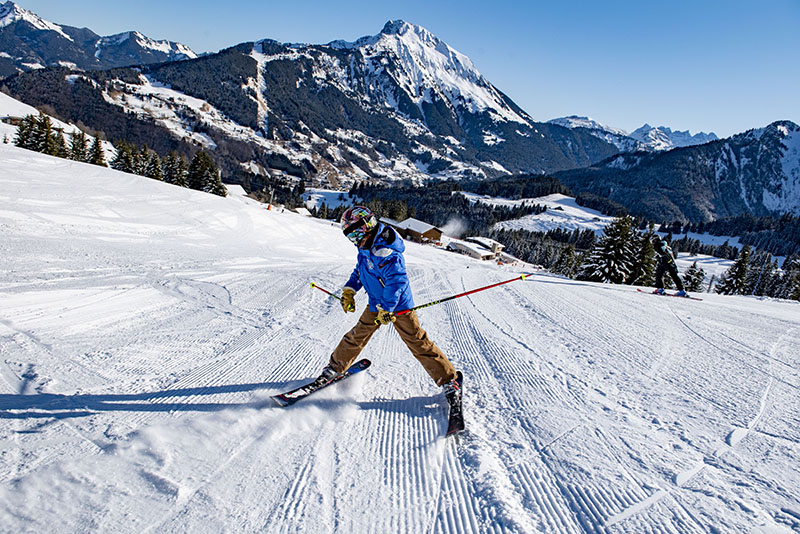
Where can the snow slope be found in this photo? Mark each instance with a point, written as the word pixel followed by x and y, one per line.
pixel 144 326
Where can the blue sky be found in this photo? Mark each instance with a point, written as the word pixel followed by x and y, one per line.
pixel 702 65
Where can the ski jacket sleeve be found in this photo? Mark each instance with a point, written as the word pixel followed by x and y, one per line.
pixel 354 282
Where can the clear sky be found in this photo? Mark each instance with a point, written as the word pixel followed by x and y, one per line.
pixel 702 65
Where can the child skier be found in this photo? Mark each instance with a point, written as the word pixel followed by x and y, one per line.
pixel 666 262
pixel 381 271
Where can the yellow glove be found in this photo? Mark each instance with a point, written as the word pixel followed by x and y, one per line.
pixel 384 317
pixel 348 300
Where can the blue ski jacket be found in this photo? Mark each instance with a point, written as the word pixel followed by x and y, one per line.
pixel 381 271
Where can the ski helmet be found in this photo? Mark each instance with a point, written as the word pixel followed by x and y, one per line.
pixel 357 223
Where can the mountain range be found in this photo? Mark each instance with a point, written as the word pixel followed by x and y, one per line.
pixel 29 42
pixel 756 172
pixel 401 105
pixel 398 105
pixel 648 138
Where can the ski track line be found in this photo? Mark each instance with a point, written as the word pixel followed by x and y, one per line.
pixel 737 435
pixel 473 336
pixel 591 505
pixel 739 360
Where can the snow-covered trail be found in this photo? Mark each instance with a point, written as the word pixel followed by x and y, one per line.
pixel 143 328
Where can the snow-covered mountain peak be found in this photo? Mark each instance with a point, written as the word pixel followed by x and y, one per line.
pixel 575 121
pixel 423 65
pixel 664 138
pixel 11 13
pixel 171 49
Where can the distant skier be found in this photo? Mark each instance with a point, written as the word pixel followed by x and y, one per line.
pixel 381 271
pixel 666 262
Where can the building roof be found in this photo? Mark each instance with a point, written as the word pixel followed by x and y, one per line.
pixel 474 247
pixel 416 226
pixel 486 242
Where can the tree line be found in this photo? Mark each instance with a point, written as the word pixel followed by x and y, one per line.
pixel 201 174
pixel 624 255
pixel 39 134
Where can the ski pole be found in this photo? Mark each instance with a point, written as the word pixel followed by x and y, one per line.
pixel 403 312
pixel 326 291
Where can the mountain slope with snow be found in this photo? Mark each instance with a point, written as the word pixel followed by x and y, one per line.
pixel 144 326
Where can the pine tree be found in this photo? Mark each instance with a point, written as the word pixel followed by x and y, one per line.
pixel 153 168
pixel 733 280
pixel 60 145
pixel 123 161
pixel 611 259
pixel 174 169
pixel 141 160
pixel 645 263
pixel 202 174
pixel 789 285
pixel 24 137
pixel 79 146
pixel 759 275
pixel 42 139
pixel 96 154
pixel 567 262
pixel 693 278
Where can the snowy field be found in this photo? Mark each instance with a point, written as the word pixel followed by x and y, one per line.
pixel 562 212
pixel 143 327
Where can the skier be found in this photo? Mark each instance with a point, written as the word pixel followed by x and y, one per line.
pixel 666 262
pixel 381 271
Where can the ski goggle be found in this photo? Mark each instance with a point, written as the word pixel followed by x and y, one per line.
pixel 356 232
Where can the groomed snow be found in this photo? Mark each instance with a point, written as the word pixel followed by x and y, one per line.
pixel 144 326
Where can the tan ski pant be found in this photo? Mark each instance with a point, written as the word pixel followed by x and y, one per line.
pixel 407 325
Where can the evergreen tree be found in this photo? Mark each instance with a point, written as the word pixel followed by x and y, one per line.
pixel 567 262
pixel 41 138
pixel 693 278
pixel 24 137
pixel 141 159
pixel 788 286
pixel 174 169
pixel 643 273
pixel 203 175
pixel 760 274
pixel 124 160
pixel 96 153
pixel 60 144
pixel 153 168
pixel 79 146
pixel 733 280
pixel 612 258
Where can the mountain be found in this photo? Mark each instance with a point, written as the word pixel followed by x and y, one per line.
pixel 645 138
pixel 756 172
pixel 663 138
pixel 401 104
pixel 29 42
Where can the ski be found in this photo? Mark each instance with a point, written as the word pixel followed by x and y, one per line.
pixel 665 294
pixel 455 419
pixel 290 397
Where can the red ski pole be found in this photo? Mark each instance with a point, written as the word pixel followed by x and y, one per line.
pixel 326 291
pixel 403 312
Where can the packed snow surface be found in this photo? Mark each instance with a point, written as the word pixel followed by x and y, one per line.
pixel 143 328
